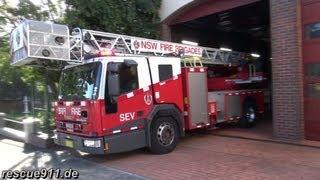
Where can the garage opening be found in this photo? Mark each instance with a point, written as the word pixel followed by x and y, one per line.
pixel 245 28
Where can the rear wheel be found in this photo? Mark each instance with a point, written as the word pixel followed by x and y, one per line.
pixel 249 115
pixel 164 135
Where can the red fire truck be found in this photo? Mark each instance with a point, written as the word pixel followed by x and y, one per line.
pixel 119 93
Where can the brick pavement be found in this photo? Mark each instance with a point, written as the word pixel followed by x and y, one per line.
pixel 196 157
pixel 214 157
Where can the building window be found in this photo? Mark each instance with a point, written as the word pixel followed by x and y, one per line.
pixel 313 31
pixel 312 69
pixel 165 72
pixel 313 90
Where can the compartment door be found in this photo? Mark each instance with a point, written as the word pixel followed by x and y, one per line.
pixel 311 61
pixel 198 97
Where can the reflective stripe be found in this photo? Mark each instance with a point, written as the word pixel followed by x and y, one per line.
pixel 162 83
pixel 146 89
pixel 116 131
pixel 129 95
pixel 157 95
pixel 83 103
pixel 134 128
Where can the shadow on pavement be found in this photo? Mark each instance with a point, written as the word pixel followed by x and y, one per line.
pixel 65 159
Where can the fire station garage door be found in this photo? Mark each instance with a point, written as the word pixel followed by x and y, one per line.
pixel 311 60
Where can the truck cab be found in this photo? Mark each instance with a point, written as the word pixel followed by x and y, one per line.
pixel 108 96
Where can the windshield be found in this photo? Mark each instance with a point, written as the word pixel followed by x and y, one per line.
pixel 80 82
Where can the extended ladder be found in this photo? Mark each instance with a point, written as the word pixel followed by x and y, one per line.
pixel 40 43
pixel 83 42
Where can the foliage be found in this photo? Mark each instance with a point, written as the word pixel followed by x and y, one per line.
pixel 9 15
pixel 16 82
pixel 13 82
pixel 130 17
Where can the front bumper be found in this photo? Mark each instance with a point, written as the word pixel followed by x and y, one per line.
pixel 116 143
pixel 76 142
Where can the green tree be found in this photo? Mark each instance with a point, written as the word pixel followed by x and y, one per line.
pixel 16 82
pixel 130 17
pixel 11 83
pixel 22 77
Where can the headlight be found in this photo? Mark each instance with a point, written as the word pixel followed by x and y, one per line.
pixel 92 143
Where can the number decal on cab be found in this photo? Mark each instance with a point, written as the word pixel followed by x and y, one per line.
pixel 127 116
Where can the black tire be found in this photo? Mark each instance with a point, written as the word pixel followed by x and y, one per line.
pixel 162 131
pixel 249 117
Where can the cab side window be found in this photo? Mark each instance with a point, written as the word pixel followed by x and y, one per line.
pixel 128 79
pixel 165 72
pixel 127 75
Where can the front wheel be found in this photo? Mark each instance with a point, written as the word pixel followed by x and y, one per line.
pixel 164 135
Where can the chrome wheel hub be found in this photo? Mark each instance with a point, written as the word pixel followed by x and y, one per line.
pixel 165 134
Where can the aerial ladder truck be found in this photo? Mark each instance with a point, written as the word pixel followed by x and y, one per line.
pixel 119 93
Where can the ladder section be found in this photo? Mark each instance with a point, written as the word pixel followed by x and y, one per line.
pixel 40 43
pixel 91 41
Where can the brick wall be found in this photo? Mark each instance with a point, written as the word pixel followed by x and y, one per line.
pixel 287 74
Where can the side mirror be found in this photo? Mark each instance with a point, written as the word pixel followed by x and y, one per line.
pixel 130 63
pixel 113 67
pixel 113 79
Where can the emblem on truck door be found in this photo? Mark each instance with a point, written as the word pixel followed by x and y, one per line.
pixel 147 99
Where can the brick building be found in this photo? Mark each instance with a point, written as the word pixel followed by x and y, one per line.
pixel 285 32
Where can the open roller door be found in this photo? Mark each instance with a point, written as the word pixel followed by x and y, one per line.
pixel 242 25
